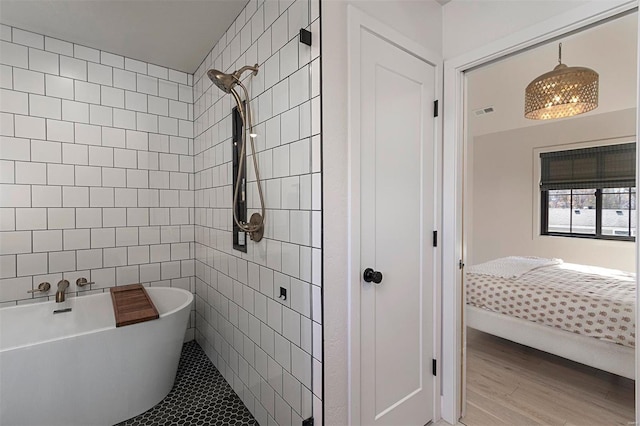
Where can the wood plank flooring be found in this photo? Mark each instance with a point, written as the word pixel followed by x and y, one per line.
pixel 511 385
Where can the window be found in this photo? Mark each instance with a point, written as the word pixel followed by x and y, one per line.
pixel 590 192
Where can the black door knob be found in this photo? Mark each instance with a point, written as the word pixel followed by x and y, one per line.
pixel 371 275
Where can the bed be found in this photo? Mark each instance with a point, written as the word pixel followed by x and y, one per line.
pixel 582 313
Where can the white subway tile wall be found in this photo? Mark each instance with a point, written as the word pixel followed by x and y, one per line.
pixel 269 349
pixel 82 190
pixel 107 163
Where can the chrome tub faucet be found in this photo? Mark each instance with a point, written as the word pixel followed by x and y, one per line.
pixel 62 286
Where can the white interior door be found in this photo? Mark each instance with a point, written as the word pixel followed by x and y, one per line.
pixel 396 225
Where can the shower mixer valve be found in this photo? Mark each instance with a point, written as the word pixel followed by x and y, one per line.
pixel 257 222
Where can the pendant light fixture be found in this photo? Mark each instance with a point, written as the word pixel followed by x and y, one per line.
pixel 563 92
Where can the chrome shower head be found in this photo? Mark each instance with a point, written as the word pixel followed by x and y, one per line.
pixel 226 82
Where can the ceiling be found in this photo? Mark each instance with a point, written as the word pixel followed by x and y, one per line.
pixel 609 48
pixel 177 34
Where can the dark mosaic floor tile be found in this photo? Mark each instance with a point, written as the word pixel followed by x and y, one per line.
pixel 199 397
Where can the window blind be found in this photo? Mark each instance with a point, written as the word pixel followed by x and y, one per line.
pixel 611 166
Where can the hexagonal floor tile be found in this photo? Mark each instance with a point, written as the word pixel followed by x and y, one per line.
pixel 200 396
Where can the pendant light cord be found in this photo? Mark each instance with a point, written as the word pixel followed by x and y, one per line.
pixel 560 53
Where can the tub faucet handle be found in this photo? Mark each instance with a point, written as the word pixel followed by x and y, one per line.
pixel 81 282
pixel 42 288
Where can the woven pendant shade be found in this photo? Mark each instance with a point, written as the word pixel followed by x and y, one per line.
pixel 563 92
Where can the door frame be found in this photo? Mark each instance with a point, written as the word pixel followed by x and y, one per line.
pixel 357 20
pixel 453 249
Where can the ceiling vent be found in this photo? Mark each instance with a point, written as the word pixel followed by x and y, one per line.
pixel 483 111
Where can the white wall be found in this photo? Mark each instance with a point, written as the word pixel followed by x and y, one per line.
pixel 471 24
pixel 504 203
pixel 420 21
pixel 95 169
pixel 268 349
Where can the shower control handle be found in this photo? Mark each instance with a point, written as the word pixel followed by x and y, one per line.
pixel 370 275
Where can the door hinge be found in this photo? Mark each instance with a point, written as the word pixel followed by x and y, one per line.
pixel 435 108
pixel 308 422
pixel 435 238
pixel 435 367
pixel 460 264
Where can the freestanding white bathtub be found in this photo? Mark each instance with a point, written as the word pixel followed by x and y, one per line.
pixel 77 368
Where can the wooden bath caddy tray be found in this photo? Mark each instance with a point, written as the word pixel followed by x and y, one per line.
pixel 132 304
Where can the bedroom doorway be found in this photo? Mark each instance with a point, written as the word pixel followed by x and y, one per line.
pixel 556 344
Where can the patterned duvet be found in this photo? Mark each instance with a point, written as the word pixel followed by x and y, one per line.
pixel 592 301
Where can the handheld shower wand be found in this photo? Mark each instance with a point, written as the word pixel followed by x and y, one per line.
pixel 227 83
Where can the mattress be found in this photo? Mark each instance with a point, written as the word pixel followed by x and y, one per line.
pixel 591 301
